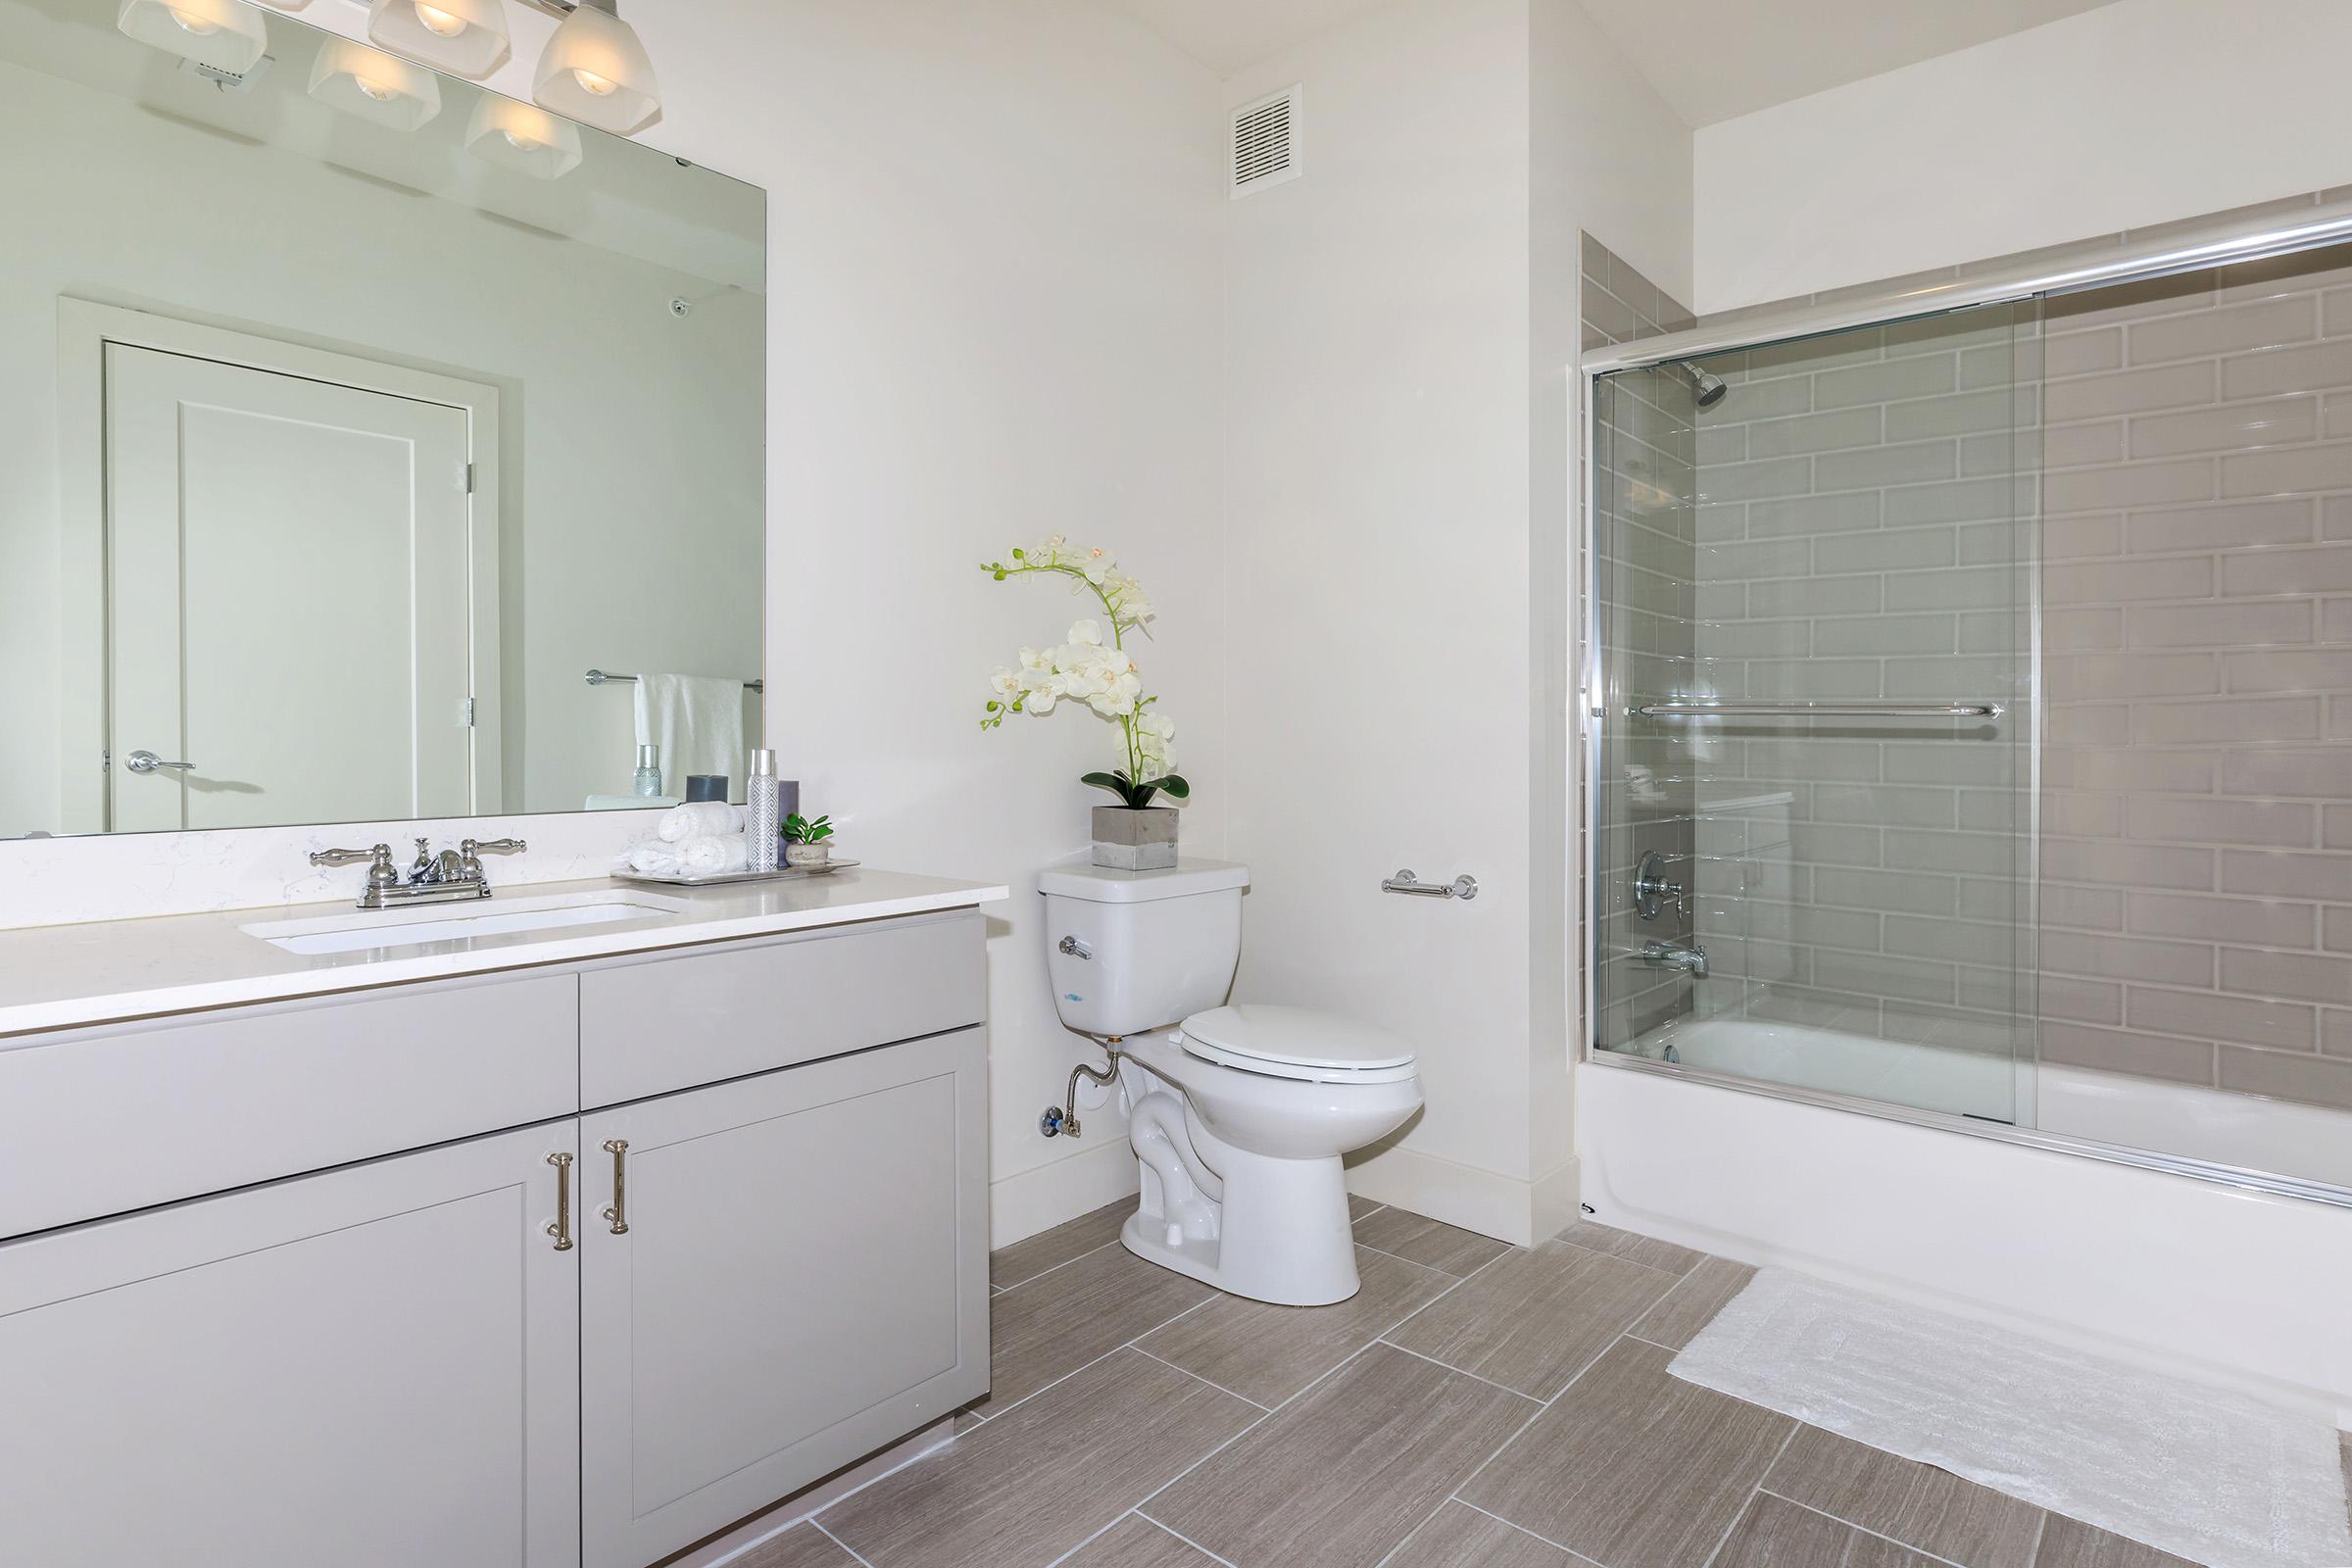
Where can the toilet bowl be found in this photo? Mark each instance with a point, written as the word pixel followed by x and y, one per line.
pixel 1239 1114
pixel 1243 1185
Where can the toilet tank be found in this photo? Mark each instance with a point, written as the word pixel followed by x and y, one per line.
pixel 1164 944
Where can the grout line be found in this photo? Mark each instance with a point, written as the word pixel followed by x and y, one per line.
pixel 1448 1366
pixel 1090 1540
pixel 1523 1530
pixel 1180 1535
pixel 1861 1529
pixel 2040 1531
pixel 1032 1279
pixel 838 1541
pixel 1190 1373
pixel 1753 1493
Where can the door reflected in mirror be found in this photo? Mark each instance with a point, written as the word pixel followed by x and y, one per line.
pixel 342 445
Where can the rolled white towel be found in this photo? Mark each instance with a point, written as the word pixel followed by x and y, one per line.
pixel 705 857
pixel 699 820
pixel 653 858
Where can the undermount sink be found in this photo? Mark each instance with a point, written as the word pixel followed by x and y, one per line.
pixel 415 928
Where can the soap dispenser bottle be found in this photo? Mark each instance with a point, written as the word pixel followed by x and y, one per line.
pixel 763 797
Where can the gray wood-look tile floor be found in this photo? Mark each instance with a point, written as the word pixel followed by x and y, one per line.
pixel 1475 1405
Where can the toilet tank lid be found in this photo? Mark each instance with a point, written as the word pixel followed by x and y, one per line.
pixel 1101 884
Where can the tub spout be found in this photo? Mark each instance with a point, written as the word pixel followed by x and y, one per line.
pixel 1689 957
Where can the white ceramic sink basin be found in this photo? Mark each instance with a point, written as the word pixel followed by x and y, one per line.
pixel 377 929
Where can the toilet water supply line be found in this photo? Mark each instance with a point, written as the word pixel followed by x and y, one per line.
pixel 1063 1118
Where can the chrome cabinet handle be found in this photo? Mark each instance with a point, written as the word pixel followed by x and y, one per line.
pixel 619 1212
pixel 146 761
pixel 560 1230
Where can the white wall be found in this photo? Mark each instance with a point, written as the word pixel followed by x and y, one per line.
pixel 1398 326
pixel 2134 114
pixel 993 297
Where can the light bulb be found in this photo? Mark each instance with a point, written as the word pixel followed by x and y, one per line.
pixel 440 23
pixel 190 22
pixel 382 95
pixel 590 82
pixel 521 143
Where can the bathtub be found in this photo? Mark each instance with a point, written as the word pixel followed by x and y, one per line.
pixel 2203 1233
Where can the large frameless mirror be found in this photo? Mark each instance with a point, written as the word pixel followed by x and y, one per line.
pixel 353 414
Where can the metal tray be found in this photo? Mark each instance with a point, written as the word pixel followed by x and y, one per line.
pixel 712 879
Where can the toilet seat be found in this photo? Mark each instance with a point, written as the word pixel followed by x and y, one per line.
pixel 1295 1043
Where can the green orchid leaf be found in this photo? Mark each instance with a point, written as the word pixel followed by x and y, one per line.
pixel 1114 782
pixel 1175 785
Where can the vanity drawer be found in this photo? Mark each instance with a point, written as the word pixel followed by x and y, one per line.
pixel 651 1025
pixel 99 1121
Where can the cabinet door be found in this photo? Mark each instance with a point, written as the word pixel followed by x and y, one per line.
pixel 372 1366
pixel 803 1279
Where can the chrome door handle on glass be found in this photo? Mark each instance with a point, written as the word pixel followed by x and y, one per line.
pixel 1651 885
pixel 146 761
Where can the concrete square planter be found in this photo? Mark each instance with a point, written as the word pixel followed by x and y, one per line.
pixel 1129 839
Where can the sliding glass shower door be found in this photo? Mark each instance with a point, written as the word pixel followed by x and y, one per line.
pixel 1811 654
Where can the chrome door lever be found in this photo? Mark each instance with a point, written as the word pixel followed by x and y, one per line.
pixel 146 761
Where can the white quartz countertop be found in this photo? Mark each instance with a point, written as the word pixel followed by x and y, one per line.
pixel 66 976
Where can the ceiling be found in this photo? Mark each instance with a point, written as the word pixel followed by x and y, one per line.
pixel 1711 60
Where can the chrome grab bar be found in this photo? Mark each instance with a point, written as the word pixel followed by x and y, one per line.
pixel 1461 887
pixel 1816 710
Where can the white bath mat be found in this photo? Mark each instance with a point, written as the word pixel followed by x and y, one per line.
pixel 2213 1477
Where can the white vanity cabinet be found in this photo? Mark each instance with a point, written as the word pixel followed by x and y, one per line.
pixel 582 1343
pixel 373 1366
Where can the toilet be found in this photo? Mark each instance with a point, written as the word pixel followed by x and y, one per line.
pixel 1238 1113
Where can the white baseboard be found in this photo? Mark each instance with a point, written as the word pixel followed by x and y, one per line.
pixel 1486 1201
pixel 1043 1197
pixel 1557 1198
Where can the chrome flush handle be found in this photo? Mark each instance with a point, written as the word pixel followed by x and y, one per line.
pixel 1075 948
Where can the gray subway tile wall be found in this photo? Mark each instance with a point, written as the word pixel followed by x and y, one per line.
pixel 2214 683
pixel 1862 496
pixel 2192 437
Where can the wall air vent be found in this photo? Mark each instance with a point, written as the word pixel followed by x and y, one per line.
pixel 1265 146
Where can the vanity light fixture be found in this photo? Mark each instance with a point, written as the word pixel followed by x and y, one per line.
pixel 595 71
pixel 465 37
pixel 375 86
pixel 517 136
pixel 224 35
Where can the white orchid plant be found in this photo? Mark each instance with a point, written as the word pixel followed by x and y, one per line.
pixel 1087 670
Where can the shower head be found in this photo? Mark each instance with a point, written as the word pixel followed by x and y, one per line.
pixel 1710 388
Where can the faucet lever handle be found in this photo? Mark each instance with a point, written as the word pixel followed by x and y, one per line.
pixel 473 847
pixel 381 872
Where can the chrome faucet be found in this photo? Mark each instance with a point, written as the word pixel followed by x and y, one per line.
pixel 443 878
pixel 1688 957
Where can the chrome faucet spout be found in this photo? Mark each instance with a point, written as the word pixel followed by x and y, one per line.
pixel 1690 956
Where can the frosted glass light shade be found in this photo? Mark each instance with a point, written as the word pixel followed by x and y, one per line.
pixel 596 71
pixel 375 86
pixel 225 35
pixel 529 140
pixel 286 5
pixel 464 37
